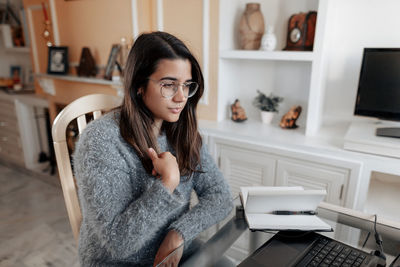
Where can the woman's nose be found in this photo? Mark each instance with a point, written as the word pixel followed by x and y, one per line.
pixel 179 96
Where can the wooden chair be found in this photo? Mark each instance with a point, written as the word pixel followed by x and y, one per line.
pixel 95 104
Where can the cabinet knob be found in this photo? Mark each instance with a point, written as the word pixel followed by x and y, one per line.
pixel 4 139
pixel 2 123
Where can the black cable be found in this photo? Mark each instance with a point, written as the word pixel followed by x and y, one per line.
pixel 366 239
pixel 378 240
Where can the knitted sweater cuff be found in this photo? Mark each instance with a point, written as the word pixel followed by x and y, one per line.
pixel 166 200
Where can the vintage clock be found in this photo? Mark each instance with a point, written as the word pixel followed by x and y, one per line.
pixel 301 31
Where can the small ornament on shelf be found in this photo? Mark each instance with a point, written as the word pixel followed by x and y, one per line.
pixel 58 60
pixel 238 113
pixel 268 105
pixel 16 76
pixel 123 54
pixel 112 62
pixel 268 41
pixel 87 65
pixel 251 27
pixel 288 120
pixel 301 31
pixel 46 32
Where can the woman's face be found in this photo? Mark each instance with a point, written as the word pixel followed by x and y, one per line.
pixel 167 109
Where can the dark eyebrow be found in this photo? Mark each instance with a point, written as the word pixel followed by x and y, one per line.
pixel 174 79
pixel 168 78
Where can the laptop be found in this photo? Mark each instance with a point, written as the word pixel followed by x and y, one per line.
pixel 298 249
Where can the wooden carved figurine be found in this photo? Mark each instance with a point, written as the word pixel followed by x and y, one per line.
pixel 288 120
pixel 238 113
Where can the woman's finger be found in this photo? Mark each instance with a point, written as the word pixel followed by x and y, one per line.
pixel 152 153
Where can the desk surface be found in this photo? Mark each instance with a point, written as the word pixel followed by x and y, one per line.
pixel 234 240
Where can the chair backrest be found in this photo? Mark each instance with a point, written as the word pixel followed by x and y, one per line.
pixel 95 104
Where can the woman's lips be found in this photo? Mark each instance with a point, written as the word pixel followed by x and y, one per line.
pixel 175 110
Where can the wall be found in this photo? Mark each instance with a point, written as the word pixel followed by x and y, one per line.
pixel 95 24
pixel 357 24
pixel 184 18
pixel 101 23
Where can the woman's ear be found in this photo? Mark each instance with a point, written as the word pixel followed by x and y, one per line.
pixel 140 91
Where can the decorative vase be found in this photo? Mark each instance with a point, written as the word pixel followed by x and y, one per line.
pixel 268 41
pixel 267 116
pixel 251 27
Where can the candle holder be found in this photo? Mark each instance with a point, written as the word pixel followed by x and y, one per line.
pixel 46 32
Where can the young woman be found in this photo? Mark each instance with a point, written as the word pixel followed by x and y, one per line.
pixel 137 166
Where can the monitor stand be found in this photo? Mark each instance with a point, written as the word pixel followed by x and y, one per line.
pixel 362 137
pixel 388 132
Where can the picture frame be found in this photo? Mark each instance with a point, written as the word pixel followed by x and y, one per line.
pixel 58 60
pixel 112 60
pixel 28 77
pixel 16 73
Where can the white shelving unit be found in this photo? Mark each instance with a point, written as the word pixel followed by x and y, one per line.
pixel 75 78
pixel 267 55
pixel 14 56
pixel 295 75
pixel 18 49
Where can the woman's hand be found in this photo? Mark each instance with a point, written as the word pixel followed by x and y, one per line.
pixel 172 241
pixel 166 168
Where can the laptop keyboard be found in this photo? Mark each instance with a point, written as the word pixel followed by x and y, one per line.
pixel 327 252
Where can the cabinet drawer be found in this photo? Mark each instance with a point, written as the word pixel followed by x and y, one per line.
pixel 4 101
pixel 11 148
pixel 10 140
pixel 314 176
pixel 13 155
pixel 7 109
pixel 8 115
pixel 8 127
pixel 242 167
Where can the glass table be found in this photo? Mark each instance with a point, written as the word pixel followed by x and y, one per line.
pixel 233 241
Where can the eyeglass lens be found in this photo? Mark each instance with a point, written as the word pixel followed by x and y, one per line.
pixel 170 88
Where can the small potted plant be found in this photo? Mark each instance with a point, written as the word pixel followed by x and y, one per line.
pixel 268 105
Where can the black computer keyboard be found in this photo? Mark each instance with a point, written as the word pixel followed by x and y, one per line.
pixel 328 252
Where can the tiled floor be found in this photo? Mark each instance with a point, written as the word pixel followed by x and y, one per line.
pixel 34 227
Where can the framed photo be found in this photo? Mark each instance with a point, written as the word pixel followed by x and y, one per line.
pixel 16 74
pixel 58 60
pixel 112 60
pixel 28 76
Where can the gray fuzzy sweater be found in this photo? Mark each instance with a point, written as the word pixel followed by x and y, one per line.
pixel 127 212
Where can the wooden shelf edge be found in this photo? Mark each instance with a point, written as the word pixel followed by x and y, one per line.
pixel 75 78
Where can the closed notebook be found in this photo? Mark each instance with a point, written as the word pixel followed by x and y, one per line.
pixel 260 202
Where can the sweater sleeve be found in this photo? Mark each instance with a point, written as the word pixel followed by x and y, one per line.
pixel 215 201
pixel 124 223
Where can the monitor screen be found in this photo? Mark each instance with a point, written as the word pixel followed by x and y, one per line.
pixel 379 85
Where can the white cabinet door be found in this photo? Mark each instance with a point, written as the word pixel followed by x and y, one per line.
pixel 242 167
pixel 314 176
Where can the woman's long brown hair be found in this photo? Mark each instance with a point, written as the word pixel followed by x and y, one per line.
pixel 136 119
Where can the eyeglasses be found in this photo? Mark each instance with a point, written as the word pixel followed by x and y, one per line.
pixel 169 88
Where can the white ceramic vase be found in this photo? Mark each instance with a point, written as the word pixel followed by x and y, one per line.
pixel 267 116
pixel 268 41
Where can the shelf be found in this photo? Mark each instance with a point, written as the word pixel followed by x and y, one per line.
pixel 382 196
pixel 253 131
pixel 74 78
pixel 268 55
pixel 18 49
